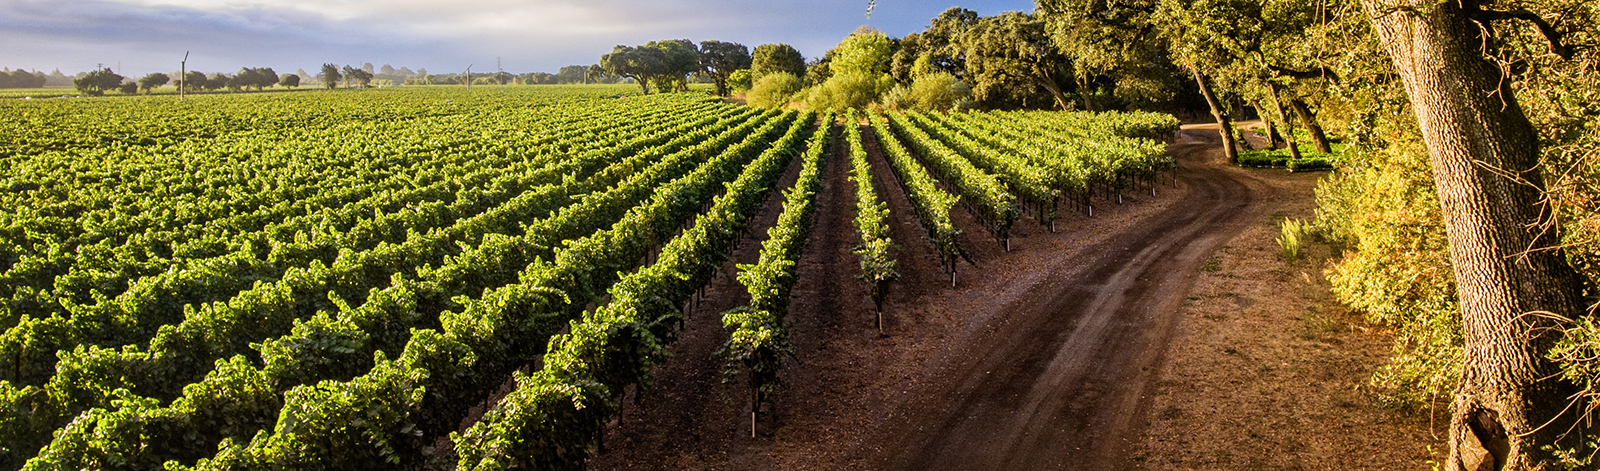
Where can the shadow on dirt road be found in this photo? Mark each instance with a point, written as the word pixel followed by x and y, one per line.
pixel 1061 385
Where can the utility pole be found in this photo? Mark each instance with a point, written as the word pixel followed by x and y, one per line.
pixel 469 77
pixel 183 73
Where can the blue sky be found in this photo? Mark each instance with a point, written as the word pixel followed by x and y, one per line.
pixel 146 36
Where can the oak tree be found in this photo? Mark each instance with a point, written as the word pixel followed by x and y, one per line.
pixel 330 76
pixel 1512 409
pixel 720 59
pixel 774 58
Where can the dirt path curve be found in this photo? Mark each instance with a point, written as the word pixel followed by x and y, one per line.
pixel 1061 385
pixel 1041 359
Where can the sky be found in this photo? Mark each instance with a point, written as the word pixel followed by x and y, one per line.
pixel 442 36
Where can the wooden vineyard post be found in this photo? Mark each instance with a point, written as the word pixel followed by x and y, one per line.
pixel 879 295
pixel 877 306
pixel 183 71
pixel 1056 206
pixel 1119 189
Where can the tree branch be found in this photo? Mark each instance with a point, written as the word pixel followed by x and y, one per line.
pixel 1549 32
pixel 1319 72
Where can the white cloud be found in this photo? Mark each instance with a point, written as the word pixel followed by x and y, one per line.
pixel 530 35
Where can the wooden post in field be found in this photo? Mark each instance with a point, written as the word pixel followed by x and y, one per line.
pixel 183 72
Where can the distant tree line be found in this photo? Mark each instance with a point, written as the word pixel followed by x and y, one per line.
pixel 99 82
pixel 21 79
pixel 572 74
pixel 669 65
pixel 1007 61
pixel 246 79
pixel 330 76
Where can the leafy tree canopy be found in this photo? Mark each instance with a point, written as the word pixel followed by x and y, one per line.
pixel 152 81
pixel 774 58
pixel 867 51
pixel 330 76
pixel 720 59
pixel 98 82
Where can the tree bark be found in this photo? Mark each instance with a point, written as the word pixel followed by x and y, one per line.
pixel 1303 112
pixel 1288 128
pixel 1055 92
pixel 1083 91
pixel 1272 132
pixel 1229 145
pixel 1510 404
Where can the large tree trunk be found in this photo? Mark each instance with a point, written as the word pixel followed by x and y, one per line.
pixel 1083 91
pixel 1485 155
pixel 1049 85
pixel 1288 127
pixel 1229 145
pixel 1303 112
pixel 1272 132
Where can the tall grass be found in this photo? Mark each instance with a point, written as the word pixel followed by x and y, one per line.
pixel 1291 233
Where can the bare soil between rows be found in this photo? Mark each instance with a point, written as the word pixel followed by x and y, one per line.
pixel 1094 347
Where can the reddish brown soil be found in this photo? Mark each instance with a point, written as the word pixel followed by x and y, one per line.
pixel 1267 371
pixel 1045 357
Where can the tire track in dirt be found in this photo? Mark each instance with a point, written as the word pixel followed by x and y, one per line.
pixel 1060 384
pixel 1041 359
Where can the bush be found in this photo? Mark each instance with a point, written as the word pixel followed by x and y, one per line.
pixel 774 90
pixel 98 82
pixel 898 98
pixel 849 90
pixel 1281 158
pixel 939 91
pixel 1291 233
pixel 929 92
pixel 739 81
pixel 1260 159
pixel 1309 163
pixel 1381 206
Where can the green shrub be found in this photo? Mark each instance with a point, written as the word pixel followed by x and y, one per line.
pixel 1381 206
pixel 898 98
pixel 739 81
pixel 938 92
pixel 773 90
pixel 1280 158
pixel 929 92
pixel 1309 163
pixel 1291 233
pixel 849 90
pixel 1256 158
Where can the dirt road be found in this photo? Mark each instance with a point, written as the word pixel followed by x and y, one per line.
pixel 1042 359
pixel 1060 385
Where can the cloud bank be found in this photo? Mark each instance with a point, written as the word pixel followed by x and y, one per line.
pixel 145 36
